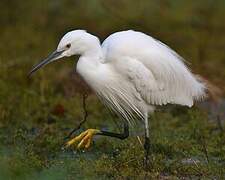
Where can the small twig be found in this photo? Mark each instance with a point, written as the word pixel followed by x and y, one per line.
pixel 85 115
pixel 219 123
pixel 204 148
pixel 198 171
pixel 125 163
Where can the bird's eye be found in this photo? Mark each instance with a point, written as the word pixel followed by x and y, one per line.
pixel 68 45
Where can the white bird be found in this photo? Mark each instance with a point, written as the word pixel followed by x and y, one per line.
pixel 131 73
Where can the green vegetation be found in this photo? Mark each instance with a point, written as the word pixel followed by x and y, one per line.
pixel 36 114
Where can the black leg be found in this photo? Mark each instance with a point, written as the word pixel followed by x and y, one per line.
pixel 147 144
pixel 146 157
pixel 122 136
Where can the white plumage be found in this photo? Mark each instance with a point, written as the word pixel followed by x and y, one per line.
pixel 131 72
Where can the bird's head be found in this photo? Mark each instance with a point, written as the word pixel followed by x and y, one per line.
pixel 76 42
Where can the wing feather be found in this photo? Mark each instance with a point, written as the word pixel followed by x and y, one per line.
pixel 157 72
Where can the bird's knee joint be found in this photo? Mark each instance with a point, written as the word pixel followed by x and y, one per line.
pixel 147 143
pixel 124 136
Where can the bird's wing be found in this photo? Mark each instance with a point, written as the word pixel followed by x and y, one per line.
pixel 150 89
pixel 156 71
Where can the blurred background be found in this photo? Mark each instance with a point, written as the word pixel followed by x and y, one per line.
pixel 37 113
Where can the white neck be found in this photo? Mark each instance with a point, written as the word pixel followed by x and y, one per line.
pixel 93 52
pixel 90 60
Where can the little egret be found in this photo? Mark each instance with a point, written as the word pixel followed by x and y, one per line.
pixel 131 73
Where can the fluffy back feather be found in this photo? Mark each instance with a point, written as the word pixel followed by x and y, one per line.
pixel 176 84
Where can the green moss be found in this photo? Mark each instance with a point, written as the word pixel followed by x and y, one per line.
pixel 178 150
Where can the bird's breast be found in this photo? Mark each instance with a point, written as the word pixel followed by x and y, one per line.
pixel 93 72
pixel 111 86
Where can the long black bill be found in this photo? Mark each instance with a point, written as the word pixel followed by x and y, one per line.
pixel 55 55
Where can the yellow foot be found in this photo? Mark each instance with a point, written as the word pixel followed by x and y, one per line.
pixel 84 139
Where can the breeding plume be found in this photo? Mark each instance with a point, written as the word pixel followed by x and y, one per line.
pixel 131 73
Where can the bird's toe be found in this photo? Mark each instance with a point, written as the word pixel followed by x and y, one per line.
pixel 84 139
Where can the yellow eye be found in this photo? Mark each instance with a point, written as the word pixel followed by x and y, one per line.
pixel 68 45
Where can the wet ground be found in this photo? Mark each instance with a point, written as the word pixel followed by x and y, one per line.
pixel 185 143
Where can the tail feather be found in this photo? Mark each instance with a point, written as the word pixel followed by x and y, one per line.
pixel 213 92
